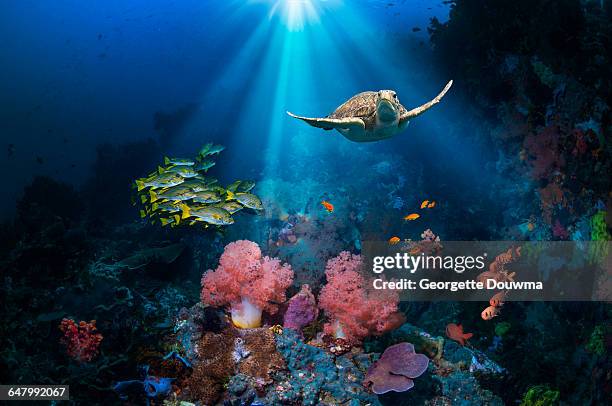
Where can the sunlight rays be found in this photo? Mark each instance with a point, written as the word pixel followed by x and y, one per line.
pixel 308 57
pixel 295 14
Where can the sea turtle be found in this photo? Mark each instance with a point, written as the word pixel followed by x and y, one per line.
pixel 371 116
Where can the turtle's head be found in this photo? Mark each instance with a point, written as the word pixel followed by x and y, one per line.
pixel 387 106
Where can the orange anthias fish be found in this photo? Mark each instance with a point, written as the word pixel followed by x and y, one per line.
pixel 412 216
pixel 394 240
pixel 415 250
pixel 328 206
pixel 455 332
pixel 432 204
pixel 424 204
pixel 498 299
pixel 489 312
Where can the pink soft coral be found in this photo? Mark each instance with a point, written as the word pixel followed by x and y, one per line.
pixel 246 281
pixel 355 311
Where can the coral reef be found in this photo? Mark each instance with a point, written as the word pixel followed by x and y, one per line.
pixel 229 356
pixel 259 365
pixel 273 368
pixel 543 152
pixel 206 382
pixel 462 388
pixel 316 377
pixel 533 113
pixel 542 110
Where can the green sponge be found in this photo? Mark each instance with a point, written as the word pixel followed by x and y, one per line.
pixel 540 395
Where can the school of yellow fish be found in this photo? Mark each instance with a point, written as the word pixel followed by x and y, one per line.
pixel 181 192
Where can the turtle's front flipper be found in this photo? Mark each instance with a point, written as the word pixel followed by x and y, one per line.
pixel 422 109
pixel 332 123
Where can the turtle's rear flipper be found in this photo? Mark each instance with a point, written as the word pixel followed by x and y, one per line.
pixel 332 123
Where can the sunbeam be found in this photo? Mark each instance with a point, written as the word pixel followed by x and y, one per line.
pixel 295 13
pixel 301 56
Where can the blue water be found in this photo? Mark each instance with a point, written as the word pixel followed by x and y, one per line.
pixel 78 74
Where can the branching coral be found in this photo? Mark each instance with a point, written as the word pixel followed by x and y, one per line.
pixel 429 245
pixel 354 311
pixel 497 268
pixel 248 282
pixel 499 272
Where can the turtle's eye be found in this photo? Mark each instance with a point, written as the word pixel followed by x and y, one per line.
pixel 395 96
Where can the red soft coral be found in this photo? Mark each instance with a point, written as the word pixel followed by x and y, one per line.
pixel 246 279
pixel 81 340
pixel 355 311
pixel 551 197
pixel 544 151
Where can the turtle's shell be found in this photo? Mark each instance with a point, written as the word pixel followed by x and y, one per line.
pixel 362 105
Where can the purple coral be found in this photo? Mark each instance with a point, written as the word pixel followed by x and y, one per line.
pixel 395 369
pixel 302 310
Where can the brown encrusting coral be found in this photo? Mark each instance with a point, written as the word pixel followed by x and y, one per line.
pixel 251 352
pixel 261 356
pixel 209 374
